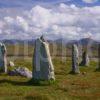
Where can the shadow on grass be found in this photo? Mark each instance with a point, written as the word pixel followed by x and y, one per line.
pixel 31 82
pixel 73 73
pixel 38 97
pixel 97 70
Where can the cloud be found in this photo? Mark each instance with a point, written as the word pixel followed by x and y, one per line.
pixel 66 21
pixel 90 1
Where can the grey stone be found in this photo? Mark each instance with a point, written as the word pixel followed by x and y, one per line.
pixel 43 68
pixel 11 64
pixel 85 59
pixel 75 58
pixel 3 58
pixel 99 56
pixel 22 71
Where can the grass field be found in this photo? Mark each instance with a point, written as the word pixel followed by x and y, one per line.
pixel 66 87
pixel 55 50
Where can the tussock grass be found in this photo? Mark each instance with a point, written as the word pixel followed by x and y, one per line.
pixel 66 87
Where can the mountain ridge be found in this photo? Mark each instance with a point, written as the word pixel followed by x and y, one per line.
pixel 83 41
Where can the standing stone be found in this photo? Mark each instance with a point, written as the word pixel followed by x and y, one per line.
pixel 3 60
pixel 98 57
pixel 85 59
pixel 43 67
pixel 75 58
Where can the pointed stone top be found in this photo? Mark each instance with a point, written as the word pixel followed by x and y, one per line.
pixel 74 46
pixel 42 38
pixel 0 44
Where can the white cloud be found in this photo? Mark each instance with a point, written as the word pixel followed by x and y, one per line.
pixel 1 24
pixel 65 21
pixel 0 31
pixel 22 23
pixel 90 1
pixel 9 20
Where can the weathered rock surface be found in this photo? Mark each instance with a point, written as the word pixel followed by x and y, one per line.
pixel 3 58
pixel 85 59
pixel 75 58
pixel 11 64
pixel 43 68
pixel 98 67
pixel 22 71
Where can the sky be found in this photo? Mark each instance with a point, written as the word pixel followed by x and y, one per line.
pixel 68 19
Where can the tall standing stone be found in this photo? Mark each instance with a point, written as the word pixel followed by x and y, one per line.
pixel 75 58
pixel 85 59
pixel 43 68
pixel 3 59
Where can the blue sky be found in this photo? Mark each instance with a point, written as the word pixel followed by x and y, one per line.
pixel 29 3
pixel 70 19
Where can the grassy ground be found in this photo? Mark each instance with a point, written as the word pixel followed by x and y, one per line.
pixel 66 87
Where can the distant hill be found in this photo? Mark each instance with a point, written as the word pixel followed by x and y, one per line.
pixel 14 41
pixel 54 44
pixel 61 41
pixel 84 41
